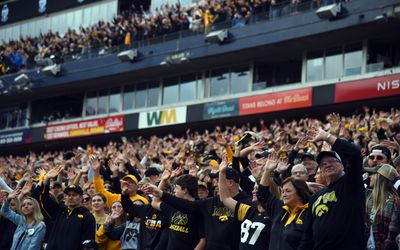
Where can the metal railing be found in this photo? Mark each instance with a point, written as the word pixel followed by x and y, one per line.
pixel 276 11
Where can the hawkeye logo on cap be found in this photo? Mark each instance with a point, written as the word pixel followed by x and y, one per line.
pixel 80 216
pixel 71 186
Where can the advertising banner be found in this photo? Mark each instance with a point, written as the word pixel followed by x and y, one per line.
pixel 271 102
pixel 221 109
pixel 162 117
pixel 368 88
pixel 110 124
pixel 15 137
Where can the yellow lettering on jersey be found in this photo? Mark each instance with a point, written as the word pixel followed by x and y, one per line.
pixel 320 206
pixel 222 211
pixel 153 224
pixel 179 229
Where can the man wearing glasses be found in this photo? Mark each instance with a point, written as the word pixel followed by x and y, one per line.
pixel 379 155
pixel 336 217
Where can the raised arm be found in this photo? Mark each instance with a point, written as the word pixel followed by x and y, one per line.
pixel 225 197
pixel 182 205
pixel 7 212
pixel 99 183
pixel 49 206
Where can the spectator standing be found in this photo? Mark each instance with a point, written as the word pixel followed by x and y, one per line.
pixel 383 210
pixel 222 230
pixel 256 225
pixel 111 197
pixel 289 214
pixel 31 229
pixel 336 214
pixel 74 225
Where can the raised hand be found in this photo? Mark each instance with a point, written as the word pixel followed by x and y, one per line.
pixel 152 189
pixel 166 175
pixel 255 169
pixel 14 194
pixel 301 143
pixel 54 172
pixel 112 166
pixel 272 162
pixel 27 186
pixel 316 134
pixel 95 163
pixel 282 165
pixel 334 120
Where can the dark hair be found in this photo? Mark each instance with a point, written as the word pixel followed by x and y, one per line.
pixel 189 182
pixel 301 188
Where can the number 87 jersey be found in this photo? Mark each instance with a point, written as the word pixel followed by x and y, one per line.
pixel 255 228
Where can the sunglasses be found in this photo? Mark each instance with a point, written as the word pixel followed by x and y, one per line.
pixel 377 157
pixel 86 199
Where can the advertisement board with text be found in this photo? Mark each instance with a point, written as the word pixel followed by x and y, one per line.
pixel 292 99
pixel 105 125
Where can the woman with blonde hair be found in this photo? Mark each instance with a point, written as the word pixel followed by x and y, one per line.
pixel 30 226
pixel 382 209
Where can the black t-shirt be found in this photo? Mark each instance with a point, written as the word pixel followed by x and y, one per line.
pixel 185 230
pixel 255 228
pixel 154 222
pixel 222 230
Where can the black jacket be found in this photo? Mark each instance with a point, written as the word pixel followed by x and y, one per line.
pixel 71 228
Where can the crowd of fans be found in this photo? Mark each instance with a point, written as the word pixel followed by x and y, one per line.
pixel 301 184
pixel 133 26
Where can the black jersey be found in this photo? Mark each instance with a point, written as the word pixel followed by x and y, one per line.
pixel 185 230
pixel 255 228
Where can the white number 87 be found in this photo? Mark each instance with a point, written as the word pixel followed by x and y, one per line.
pixel 246 225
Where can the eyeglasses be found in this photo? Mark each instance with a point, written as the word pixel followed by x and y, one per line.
pixel 376 157
pixel 328 162
pixel 299 173
pixel 86 199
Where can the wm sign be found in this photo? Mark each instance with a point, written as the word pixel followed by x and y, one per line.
pixel 162 117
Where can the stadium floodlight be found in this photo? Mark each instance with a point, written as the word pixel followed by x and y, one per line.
pixel 128 55
pixel 329 11
pixel 177 58
pixel 52 70
pixel 218 36
pixel 21 79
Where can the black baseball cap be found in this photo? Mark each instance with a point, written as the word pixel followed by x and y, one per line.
pixel 75 188
pixel 328 153
pixel 309 155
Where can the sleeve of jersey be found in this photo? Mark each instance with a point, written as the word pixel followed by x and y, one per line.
pixel 182 205
pixel 241 211
pixel 48 205
pixel 131 208
pixel 271 203
pixel 352 159
pixel 88 229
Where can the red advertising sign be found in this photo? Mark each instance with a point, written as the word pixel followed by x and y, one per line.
pixel 368 88
pixel 83 128
pixel 291 99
